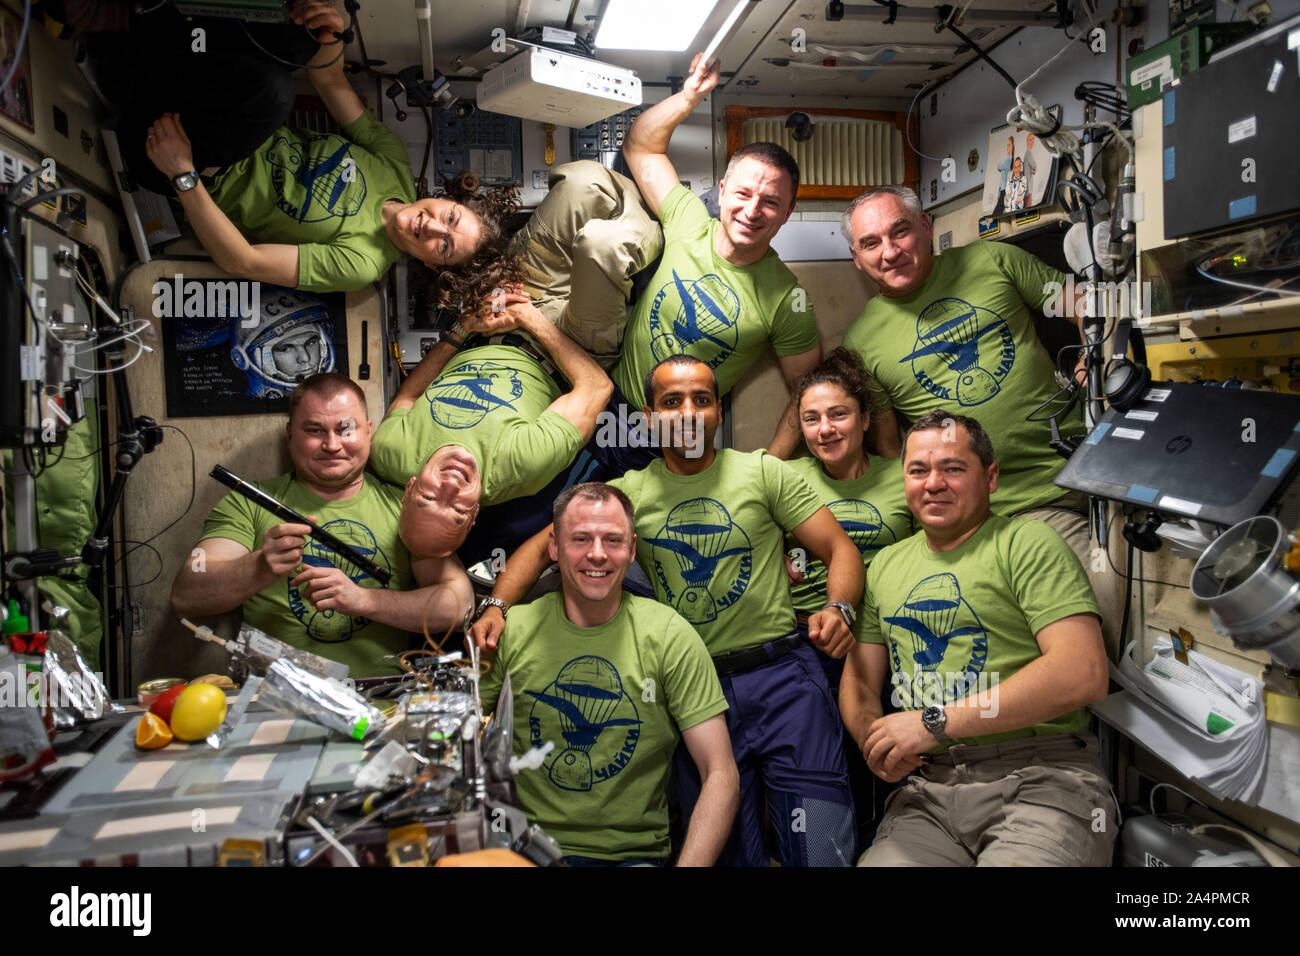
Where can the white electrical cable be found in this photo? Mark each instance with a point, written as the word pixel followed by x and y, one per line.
pixel 131 333
pixel 329 838
pixel 1277 290
pixel 1029 114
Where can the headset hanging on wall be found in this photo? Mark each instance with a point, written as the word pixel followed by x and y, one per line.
pixel 1126 380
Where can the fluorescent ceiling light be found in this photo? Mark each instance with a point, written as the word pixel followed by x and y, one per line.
pixel 664 25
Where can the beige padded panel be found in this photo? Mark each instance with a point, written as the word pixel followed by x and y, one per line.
pixel 837 291
pixel 252 446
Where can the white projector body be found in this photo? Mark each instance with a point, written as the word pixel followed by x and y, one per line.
pixel 554 87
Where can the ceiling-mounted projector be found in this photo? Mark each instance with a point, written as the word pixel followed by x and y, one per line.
pixel 553 87
pixel 1253 597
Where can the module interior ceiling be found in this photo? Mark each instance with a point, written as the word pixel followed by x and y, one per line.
pixel 463 28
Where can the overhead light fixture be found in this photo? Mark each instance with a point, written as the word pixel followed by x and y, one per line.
pixel 666 26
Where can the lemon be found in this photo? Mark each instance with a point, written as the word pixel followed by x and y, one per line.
pixel 198 711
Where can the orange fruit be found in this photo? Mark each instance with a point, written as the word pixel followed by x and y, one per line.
pixel 198 711
pixel 152 733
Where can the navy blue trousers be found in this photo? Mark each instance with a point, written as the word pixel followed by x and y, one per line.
pixel 785 734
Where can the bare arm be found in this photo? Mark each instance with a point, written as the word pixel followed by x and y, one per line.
pixel 788 434
pixel 646 146
pixel 521 572
pixel 1071 673
pixel 821 534
pixel 884 435
pixel 222 574
pixel 422 376
pixel 169 149
pixel 710 747
pixel 330 82
pixel 860 687
pixel 441 604
pixel 591 386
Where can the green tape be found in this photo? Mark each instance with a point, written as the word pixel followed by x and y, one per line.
pixel 359 730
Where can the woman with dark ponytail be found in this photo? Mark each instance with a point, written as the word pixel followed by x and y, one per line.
pixel 863 491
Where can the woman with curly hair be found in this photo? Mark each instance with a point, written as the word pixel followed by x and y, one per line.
pixel 465 277
pixel 314 211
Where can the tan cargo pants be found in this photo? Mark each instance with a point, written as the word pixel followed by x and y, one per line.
pixel 580 249
pixel 1039 801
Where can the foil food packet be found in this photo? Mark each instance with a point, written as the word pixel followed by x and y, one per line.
pixel 292 690
pixel 75 691
pixel 423 715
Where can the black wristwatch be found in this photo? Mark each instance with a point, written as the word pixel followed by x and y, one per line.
pixel 488 602
pixel 185 181
pixel 846 611
pixel 457 335
pixel 935 719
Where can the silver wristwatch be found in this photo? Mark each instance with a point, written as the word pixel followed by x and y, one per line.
pixel 846 611
pixel 488 602
pixel 185 181
pixel 935 719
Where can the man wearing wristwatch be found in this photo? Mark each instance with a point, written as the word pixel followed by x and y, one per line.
pixel 489 424
pixel 710 526
pixel 990 632
pixel 320 212
pixel 614 681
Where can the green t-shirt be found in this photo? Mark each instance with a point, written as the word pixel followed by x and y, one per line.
pixel 493 401
pixel 614 700
pixel 711 543
pixel 960 621
pixel 871 510
pixel 702 305
pixel 322 192
pixel 965 342
pixel 368 521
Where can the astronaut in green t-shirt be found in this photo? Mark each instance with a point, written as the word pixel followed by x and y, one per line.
pixel 957 331
pixel 321 212
pixel 989 631
pixel 710 525
pixel 720 293
pixel 486 424
pixel 298 590
pixel 614 681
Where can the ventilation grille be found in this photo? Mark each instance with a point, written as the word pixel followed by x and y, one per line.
pixel 842 152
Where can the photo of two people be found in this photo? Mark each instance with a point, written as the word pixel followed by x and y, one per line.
pixel 1019 173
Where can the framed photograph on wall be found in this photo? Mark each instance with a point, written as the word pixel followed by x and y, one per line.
pixel 240 348
pixel 1019 172
pixel 16 98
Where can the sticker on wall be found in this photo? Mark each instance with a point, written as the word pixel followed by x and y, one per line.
pixel 1026 218
pixel 989 226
